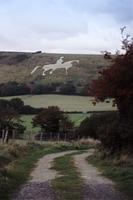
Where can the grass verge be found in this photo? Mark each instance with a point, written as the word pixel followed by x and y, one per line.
pixel 69 185
pixel 120 173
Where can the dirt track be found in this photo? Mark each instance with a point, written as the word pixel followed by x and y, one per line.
pixel 96 187
pixel 39 187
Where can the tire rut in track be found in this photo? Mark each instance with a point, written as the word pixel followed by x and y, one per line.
pixel 39 186
pixel 96 186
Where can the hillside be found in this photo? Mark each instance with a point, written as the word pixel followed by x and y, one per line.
pixel 27 68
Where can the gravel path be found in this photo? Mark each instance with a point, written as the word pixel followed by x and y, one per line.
pixel 96 187
pixel 39 187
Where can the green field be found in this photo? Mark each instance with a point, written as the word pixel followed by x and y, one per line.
pixel 27 121
pixel 78 118
pixel 66 103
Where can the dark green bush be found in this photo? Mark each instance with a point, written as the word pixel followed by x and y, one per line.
pixel 114 134
pixel 89 126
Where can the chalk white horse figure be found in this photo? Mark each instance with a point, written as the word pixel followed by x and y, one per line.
pixel 33 71
pixel 58 65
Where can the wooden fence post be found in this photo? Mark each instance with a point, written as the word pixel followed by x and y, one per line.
pixel 51 136
pixel 3 135
pixel 6 136
pixel 65 136
pixel 41 135
pixel 58 137
pixel 13 134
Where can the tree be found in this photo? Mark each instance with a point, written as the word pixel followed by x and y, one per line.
pixel 43 89
pixel 88 128
pixel 53 121
pixel 12 88
pixel 67 89
pixel 116 81
pixel 9 119
pixel 66 125
pixel 48 119
pixel 17 104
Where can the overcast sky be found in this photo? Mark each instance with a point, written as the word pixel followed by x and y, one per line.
pixel 69 26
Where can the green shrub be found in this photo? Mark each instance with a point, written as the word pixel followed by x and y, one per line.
pixel 114 134
pixel 89 126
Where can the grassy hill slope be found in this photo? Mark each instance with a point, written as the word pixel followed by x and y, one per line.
pixel 17 66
